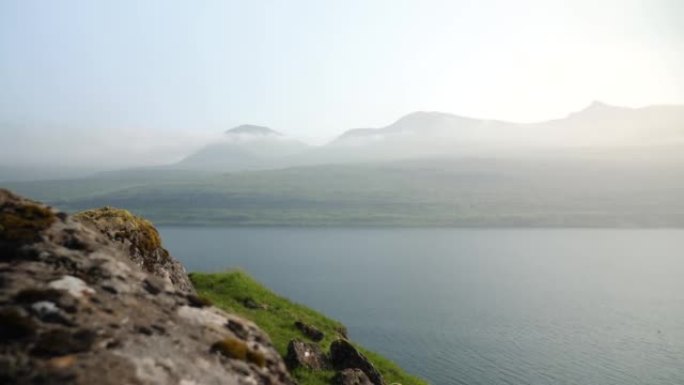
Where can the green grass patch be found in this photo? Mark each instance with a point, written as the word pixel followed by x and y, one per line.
pixel 276 315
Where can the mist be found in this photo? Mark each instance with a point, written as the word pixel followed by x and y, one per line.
pixel 342 192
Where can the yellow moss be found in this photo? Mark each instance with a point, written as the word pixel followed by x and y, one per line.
pixel 24 223
pixel 236 349
pixel 124 225
pixel 231 348
pixel 256 358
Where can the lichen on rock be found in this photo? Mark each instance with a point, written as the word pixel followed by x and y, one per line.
pixel 141 241
pixel 22 220
pixel 237 349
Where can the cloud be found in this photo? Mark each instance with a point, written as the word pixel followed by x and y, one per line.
pixel 102 149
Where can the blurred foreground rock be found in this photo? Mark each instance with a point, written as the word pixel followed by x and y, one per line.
pixel 75 309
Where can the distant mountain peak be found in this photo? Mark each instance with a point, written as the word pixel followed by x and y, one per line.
pixel 250 129
pixel 597 108
pixel 425 115
pixel 598 105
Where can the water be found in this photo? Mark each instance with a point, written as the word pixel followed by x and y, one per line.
pixel 459 306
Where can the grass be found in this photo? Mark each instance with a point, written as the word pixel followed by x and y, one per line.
pixel 277 315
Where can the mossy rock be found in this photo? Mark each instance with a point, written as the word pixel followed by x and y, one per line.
pixel 236 349
pixel 23 223
pixel 124 225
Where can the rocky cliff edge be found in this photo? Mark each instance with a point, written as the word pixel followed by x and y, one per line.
pixel 81 303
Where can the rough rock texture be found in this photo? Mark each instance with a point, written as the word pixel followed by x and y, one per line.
pixel 351 377
pixel 141 242
pixel 307 355
pixel 344 355
pixel 75 310
pixel 309 331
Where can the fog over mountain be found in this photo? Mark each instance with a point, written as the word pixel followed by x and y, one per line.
pixel 413 136
pixel 437 134
pixel 242 148
pixel 601 166
pixel 597 125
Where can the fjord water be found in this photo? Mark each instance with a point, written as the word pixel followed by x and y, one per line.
pixel 466 306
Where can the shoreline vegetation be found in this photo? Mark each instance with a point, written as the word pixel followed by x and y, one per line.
pixel 237 292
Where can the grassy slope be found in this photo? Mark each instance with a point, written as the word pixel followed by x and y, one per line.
pixel 228 290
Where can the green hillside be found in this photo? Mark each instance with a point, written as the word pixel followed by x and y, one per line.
pixel 276 315
pixel 463 192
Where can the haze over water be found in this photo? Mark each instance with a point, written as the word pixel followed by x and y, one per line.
pixel 487 114
pixel 459 306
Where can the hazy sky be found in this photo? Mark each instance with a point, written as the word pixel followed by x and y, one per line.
pixel 170 74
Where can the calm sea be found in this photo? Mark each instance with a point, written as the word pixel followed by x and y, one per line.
pixel 461 306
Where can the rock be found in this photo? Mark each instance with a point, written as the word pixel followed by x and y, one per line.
pixel 307 355
pixel 342 331
pixel 344 355
pixel 250 303
pixel 140 240
pixel 309 331
pixel 351 377
pixel 76 308
pixel 198 301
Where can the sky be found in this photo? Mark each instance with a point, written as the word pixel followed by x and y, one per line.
pixel 145 82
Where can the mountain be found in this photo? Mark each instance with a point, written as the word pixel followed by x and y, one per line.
pixel 243 148
pixel 250 129
pixel 437 133
pixel 601 124
pixel 418 135
pixel 429 134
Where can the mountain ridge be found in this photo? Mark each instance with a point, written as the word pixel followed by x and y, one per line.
pixel 251 129
pixel 429 119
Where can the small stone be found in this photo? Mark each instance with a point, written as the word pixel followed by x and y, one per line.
pixel 252 304
pixel 344 355
pixel 309 331
pixel 351 377
pixel 305 354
